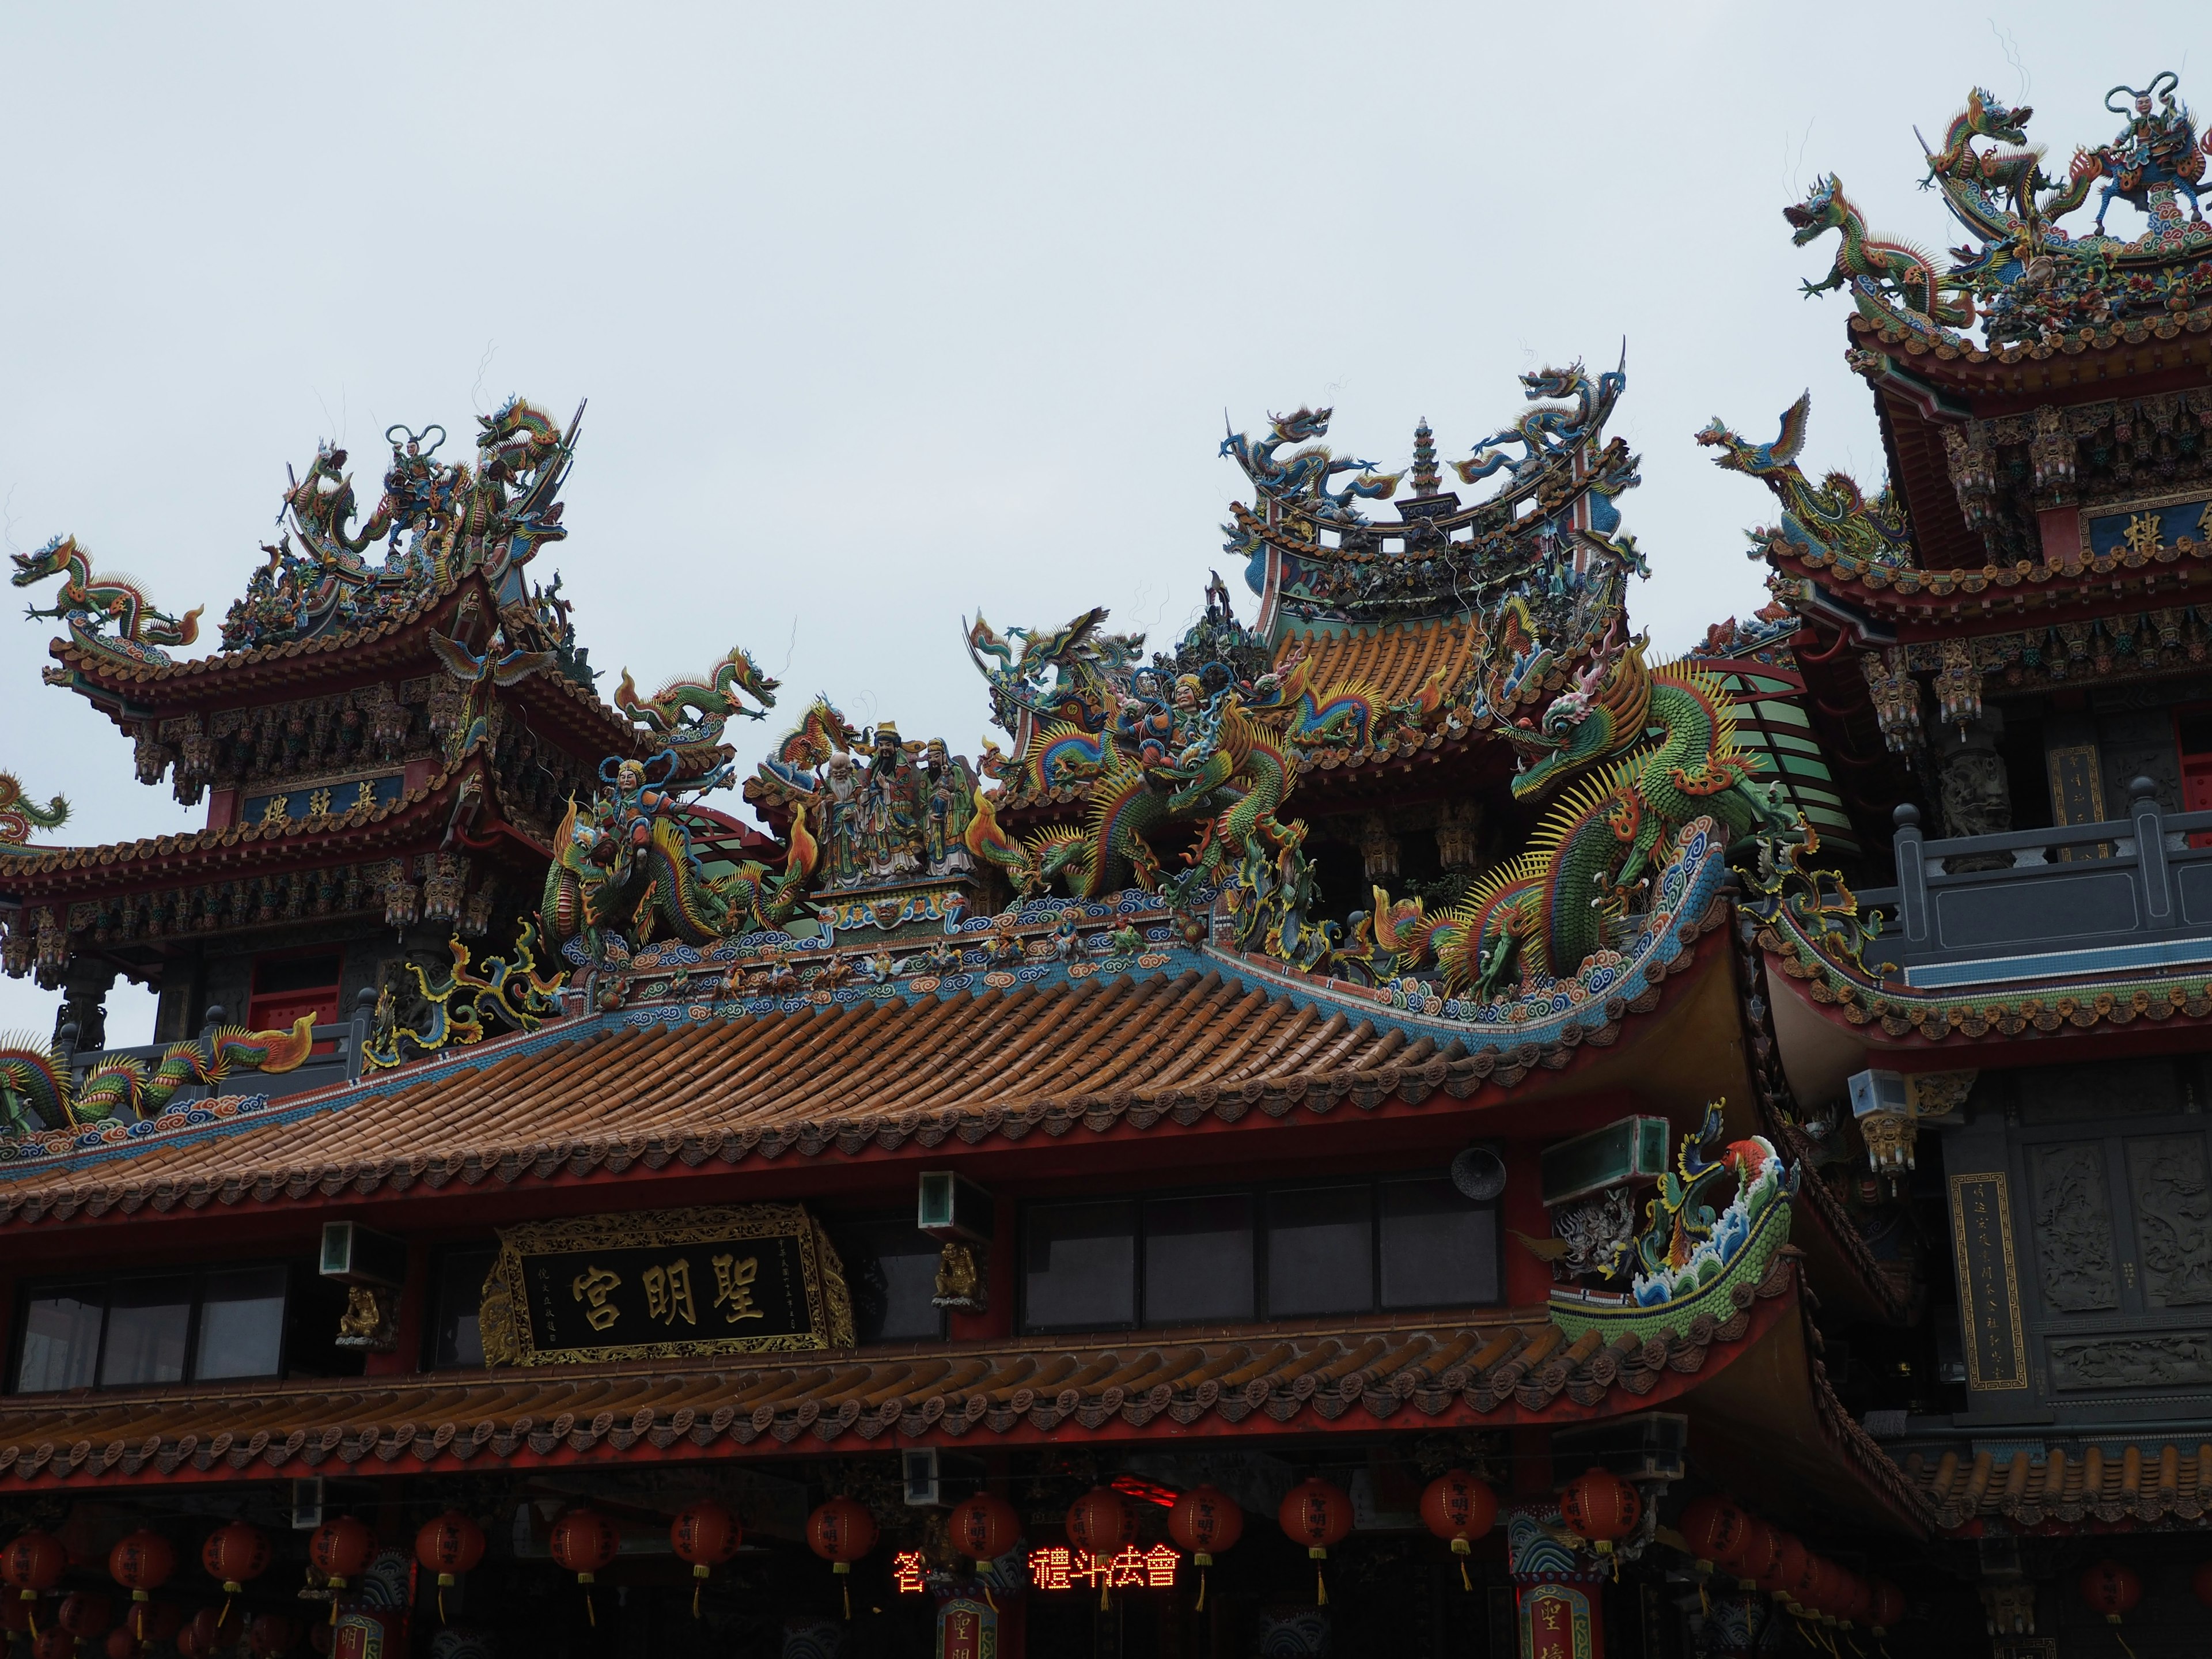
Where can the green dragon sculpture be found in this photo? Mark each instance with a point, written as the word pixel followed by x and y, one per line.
pixel 20 814
pixel 1894 283
pixel 39 1090
pixel 1834 518
pixel 688 714
pixel 623 865
pixel 1545 912
pixel 88 603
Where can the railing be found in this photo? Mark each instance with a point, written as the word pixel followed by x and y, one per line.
pixel 2123 896
pixel 342 1064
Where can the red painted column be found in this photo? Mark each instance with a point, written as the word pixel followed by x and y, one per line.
pixel 2061 529
pixel 406 1355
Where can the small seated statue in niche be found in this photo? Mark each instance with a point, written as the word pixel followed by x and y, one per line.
pixel 960 1282
pixel 371 1320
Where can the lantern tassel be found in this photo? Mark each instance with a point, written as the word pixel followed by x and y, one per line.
pixel 1465 1583
pixel 223 1618
pixel 848 1584
pixel 1704 1601
pixel 1321 1588
pixel 2124 1648
pixel 1102 1595
pixel 697 1584
pixel 334 1609
pixel 441 1604
pixel 591 1613
pixel 1200 1608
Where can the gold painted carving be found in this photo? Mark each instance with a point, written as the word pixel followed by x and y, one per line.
pixel 669 1294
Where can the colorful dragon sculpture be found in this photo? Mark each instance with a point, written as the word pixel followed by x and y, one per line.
pixel 688 714
pixel 624 872
pixel 1835 517
pixel 1544 912
pixel 509 991
pixel 39 1090
pixel 1554 429
pixel 20 814
pixel 1893 282
pixel 1299 481
pixel 88 603
pixel 1072 676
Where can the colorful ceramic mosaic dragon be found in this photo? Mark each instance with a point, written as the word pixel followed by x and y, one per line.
pixel 1833 517
pixel 1545 912
pixel 688 715
pixel 624 872
pixel 88 602
pixel 1893 282
pixel 509 992
pixel 1555 429
pixel 20 814
pixel 38 1090
pixel 1300 480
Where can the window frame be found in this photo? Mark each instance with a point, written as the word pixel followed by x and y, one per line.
pixel 1257 1195
pixel 28 1292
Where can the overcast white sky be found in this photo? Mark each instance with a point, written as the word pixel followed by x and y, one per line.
pixel 887 311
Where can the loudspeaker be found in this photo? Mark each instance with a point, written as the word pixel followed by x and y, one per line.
pixel 1479 1172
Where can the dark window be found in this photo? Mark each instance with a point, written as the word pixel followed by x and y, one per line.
pixel 241 1326
pixel 149 1323
pixel 1198 1259
pixel 152 1329
pixel 457 1292
pixel 1438 1248
pixel 60 1339
pixel 891 1269
pixel 1081 1273
pixel 1320 1251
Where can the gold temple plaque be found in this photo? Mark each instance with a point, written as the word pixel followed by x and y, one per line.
pixel 665 1285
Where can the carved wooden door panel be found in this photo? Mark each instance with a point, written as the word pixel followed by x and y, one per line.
pixel 2118 1207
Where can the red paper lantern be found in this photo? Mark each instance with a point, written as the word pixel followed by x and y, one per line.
pixel 1458 1509
pixel 272 1634
pixel 448 1546
pixel 188 1642
pixel 235 1553
pixel 1783 1572
pixel 584 1542
pixel 205 1630
pixel 706 1534
pixel 1853 1597
pixel 121 1643
pixel 2201 1582
pixel 1754 1559
pixel 141 1564
pixel 1102 1522
pixel 33 1562
pixel 85 1613
pixel 342 1550
pixel 1600 1506
pixel 1206 1522
pixel 53 1643
pixel 155 1622
pixel 1716 1531
pixel 2111 1589
pixel 983 1527
pixel 1808 1592
pixel 841 1531
pixel 1317 1515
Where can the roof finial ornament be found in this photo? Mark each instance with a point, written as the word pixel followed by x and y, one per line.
pixel 1425 475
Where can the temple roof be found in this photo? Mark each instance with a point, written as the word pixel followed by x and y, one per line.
pixel 675 1089
pixel 2062 1483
